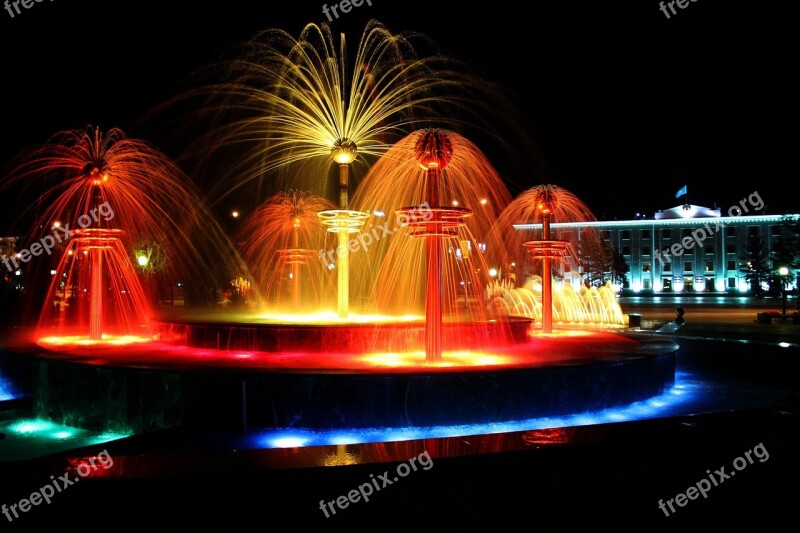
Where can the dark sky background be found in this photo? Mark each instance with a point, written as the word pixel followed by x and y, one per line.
pixel 623 105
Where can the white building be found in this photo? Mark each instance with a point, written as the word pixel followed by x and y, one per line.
pixel 686 249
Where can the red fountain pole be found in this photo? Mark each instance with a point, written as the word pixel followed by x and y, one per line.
pixel 546 198
pixel 433 289
pixel 96 268
pixel 547 280
pixel 434 150
pixel 96 302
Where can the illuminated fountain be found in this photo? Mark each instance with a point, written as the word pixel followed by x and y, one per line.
pixel 105 193
pixel 594 306
pixel 281 239
pixel 463 363
pixel 573 308
pixel 547 249
pixel 300 106
pixel 434 152
pixel 445 218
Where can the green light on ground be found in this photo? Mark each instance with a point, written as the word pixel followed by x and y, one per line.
pixel 27 427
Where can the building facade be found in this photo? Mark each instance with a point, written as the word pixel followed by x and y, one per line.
pixel 686 249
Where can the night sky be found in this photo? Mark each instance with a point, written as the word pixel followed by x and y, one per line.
pixel 620 105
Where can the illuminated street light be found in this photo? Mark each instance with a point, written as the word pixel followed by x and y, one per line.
pixel 142 260
pixel 784 272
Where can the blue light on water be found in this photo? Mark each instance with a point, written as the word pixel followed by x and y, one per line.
pixel 672 402
pixel 289 442
pixel 6 391
pixel 345 438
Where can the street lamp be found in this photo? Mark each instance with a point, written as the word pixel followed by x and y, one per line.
pixel 784 272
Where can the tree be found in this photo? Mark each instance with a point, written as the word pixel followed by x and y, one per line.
pixel 755 264
pixel 595 263
pixel 603 263
pixel 785 253
pixel 619 268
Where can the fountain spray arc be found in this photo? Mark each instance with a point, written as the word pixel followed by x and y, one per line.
pixel 434 151
pixel 343 222
pixel 95 288
pixel 547 249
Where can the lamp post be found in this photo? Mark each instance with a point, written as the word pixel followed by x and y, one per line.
pixel 783 271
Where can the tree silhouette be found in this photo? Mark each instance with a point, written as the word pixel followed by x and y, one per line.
pixel 755 264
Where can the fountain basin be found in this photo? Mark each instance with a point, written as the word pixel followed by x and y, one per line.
pixel 142 387
pixel 341 337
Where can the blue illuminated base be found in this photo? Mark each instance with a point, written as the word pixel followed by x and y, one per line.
pixel 101 397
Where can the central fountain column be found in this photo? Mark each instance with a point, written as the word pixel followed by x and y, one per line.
pixel 343 223
pixel 296 265
pixel 343 256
